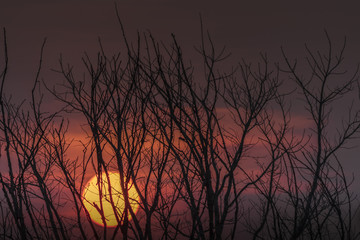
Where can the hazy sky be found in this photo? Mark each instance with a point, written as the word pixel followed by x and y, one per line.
pixel 245 27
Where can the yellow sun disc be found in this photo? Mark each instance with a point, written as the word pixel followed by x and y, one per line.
pixel 92 199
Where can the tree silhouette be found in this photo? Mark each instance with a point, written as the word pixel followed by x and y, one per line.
pixel 212 154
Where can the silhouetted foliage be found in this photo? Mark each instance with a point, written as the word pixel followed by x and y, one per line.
pixel 212 154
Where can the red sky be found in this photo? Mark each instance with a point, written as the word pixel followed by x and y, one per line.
pixel 73 27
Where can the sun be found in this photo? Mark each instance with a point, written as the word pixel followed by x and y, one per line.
pixel 92 201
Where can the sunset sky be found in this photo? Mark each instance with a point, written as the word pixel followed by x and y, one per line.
pixel 245 28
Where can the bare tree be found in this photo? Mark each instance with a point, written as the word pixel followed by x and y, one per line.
pixel 309 197
pixel 208 152
pixel 28 185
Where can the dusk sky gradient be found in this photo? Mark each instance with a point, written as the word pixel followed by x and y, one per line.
pixel 246 28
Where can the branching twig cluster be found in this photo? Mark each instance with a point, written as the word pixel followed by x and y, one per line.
pixel 212 155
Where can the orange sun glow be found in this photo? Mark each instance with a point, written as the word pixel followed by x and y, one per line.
pixel 93 200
